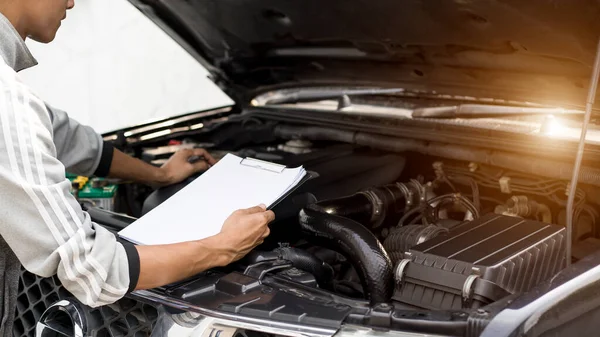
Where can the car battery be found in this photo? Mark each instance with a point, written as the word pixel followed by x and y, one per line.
pixel 98 192
pixel 479 262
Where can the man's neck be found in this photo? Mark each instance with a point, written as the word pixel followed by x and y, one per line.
pixel 13 16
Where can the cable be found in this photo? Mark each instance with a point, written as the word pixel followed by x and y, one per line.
pixel 406 216
pixel 542 187
pixel 474 188
pixel 476 196
pixel 588 113
pixel 447 181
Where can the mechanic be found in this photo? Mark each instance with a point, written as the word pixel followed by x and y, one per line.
pixel 43 227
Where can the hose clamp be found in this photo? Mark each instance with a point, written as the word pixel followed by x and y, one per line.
pixel 399 275
pixel 378 214
pixel 467 291
pixel 420 190
pixel 408 196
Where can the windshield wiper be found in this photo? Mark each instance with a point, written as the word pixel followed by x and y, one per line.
pixel 343 95
pixel 483 111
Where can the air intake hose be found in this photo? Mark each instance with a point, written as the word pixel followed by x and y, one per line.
pixel 373 206
pixel 357 207
pixel 357 243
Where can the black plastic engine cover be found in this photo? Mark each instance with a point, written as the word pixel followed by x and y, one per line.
pixel 479 262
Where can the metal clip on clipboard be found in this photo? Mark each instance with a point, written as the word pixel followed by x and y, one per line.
pixel 263 165
pixel 277 168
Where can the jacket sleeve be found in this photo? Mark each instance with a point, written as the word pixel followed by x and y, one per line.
pixel 41 221
pixel 78 146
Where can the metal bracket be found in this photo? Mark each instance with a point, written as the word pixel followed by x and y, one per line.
pixel 505 186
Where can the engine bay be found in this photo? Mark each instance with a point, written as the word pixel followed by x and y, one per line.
pixel 379 230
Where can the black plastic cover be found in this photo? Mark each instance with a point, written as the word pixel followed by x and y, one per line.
pixel 479 262
pixel 241 294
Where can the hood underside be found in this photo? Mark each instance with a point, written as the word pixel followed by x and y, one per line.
pixel 539 50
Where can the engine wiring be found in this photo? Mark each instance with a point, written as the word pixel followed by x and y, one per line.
pixel 476 177
pixel 543 187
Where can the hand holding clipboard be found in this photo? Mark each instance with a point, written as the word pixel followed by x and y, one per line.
pixel 199 210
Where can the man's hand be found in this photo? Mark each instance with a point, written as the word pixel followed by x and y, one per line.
pixel 178 167
pixel 175 170
pixel 245 229
pixel 241 232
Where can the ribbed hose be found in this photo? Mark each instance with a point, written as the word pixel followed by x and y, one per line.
pixel 536 166
pixel 358 244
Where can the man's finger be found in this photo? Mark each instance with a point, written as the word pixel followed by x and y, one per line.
pixel 252 210
pixel 200 165
pixel 263 217
pixel 259 217
pixel 266 233
pixel 185 151
pixel 270 216
pixel 206 155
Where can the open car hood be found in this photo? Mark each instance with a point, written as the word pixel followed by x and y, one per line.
pixel 537 50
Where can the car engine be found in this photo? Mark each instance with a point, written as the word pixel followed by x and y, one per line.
pixel 377 227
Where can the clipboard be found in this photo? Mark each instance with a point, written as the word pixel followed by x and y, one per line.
pixel 309 176
pixel 199 209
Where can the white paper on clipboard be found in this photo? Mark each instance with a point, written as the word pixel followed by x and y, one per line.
pixel 198 210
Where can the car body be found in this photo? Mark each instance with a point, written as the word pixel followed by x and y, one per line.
pixel 408 98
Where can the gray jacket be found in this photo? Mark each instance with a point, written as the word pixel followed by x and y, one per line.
pixel 42 226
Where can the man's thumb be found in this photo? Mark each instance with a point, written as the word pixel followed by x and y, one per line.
pixel 255 209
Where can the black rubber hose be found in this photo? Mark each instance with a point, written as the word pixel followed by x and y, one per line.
pixel 309 263
pixel 358 244
pixel 372 206
pixel 357 207
pixel 300 259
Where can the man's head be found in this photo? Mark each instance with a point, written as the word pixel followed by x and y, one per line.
pixel 37 19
